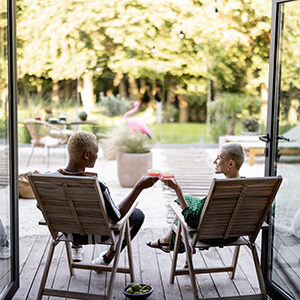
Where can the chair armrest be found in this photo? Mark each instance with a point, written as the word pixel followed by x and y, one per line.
pixel 177 210
pixel 42 221
pixel 117 226
pixel 265 226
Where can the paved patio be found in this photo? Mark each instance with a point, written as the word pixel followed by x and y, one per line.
pixel 151 201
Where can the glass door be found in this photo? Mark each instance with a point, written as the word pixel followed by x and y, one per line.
pixel 9 266
pixel 281 248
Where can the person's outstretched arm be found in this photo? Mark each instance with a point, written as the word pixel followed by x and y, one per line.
pixel 173 184
pixel 143 183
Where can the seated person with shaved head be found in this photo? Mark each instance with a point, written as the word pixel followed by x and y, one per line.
pixel 83 153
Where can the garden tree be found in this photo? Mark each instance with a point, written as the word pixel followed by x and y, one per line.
pixel 140 39
pixel 205 52
pixel 62 39
pixel 3 62
pixel 228 107
pixel 289 63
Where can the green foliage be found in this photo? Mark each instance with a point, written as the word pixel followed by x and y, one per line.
pixel 82 115
pixel 3 128
pixel 75 35
pixel 23 134
pixel 171 112
pixel 225 110
pixel 114 105
pixel 251 124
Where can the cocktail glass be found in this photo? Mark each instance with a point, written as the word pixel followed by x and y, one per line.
pixel 154 173
pixel 167 175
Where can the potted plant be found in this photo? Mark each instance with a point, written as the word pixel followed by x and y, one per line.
pixel 132 151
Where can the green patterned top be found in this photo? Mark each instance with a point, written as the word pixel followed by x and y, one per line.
pixel 191 216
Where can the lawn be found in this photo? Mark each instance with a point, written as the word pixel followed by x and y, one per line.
pixel 180 133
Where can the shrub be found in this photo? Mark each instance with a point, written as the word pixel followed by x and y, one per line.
pixel 251 124
pixel 123 138
pixel 226 110
pixel 114 105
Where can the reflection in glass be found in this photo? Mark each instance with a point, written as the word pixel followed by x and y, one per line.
pixel 286 243
pixel 5 262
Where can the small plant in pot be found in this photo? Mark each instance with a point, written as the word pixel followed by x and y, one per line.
pixel 132 150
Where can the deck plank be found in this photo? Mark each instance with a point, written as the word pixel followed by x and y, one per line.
pixel 149 265
pixel 171 291
pixel 31 267
pixel 222 281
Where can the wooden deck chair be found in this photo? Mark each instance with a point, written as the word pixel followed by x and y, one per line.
pixel 233 208
pixel 75 205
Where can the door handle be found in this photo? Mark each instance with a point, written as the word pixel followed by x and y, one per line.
pixel 265 138
pixel 281 137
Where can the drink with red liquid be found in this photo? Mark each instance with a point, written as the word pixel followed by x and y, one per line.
pixel 154 173
pixel 167 175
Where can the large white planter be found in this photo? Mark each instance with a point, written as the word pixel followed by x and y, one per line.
pixel 132 166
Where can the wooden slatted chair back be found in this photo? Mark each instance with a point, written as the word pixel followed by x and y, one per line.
pixel 71 204
pixel 236 207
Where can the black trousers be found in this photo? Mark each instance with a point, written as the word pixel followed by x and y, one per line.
pixel 136 221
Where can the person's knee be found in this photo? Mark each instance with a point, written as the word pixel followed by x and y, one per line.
pixel 140 216
pixel 137 218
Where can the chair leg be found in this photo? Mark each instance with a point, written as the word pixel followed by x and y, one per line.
pixel 258 271
pixel 46 270
pixel 30 156
pixel 69 256
pixel 175 253
pixel 115 264
pixel 129 251
pixel 235 260
pixel 189 254
pixel 47 156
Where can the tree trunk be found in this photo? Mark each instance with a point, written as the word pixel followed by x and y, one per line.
pixel 264 105
pixel 208 101
pixel 133 88
pixel 293 115
pixel 119 81
pixel 4 98
pixel 87 92
pixel 170 93
pixel 55 88
pixel 39 86
pixel 232 127
pixel 183 109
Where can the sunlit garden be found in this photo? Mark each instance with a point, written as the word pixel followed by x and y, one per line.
pixel 198 70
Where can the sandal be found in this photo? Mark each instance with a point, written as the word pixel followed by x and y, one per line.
pixel 159 246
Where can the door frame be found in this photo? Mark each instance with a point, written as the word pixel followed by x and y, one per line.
pixel 13 150
pixel 273 290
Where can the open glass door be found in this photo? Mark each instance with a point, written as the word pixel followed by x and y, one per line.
pixel 281 248
pixel 9 267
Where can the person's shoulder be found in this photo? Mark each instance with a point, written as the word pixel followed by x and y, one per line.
pixel 51 173
pixel 102 185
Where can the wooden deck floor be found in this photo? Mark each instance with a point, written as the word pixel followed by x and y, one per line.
pixel 151 266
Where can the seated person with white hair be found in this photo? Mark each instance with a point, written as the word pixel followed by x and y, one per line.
pixel 228 162
pixel 83 153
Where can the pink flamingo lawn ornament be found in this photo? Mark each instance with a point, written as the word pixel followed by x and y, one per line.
pixel 136 123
